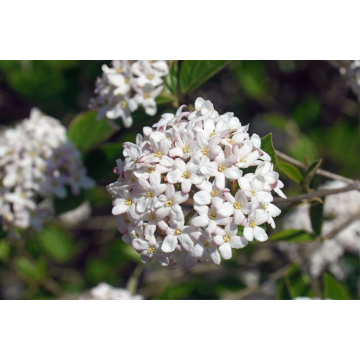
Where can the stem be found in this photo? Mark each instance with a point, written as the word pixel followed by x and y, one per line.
pixel 317 194
pixel 343 226
pixel 189 216
pixel 320 172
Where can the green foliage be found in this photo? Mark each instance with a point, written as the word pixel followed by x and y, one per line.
pixel 56 244
pixel 316 216
pixel 195 72
pixel 85 131
pixel 250 75
pixel 171 79
pixel 30 270
pixel 4 250
pixel 268 147
pixel 334 290
pixel 291 171
pixel 292 235
pixel 71 202
pixel 101 161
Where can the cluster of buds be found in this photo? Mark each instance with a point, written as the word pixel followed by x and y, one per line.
pixel 125 86
pixel 189 159
pixel 36 162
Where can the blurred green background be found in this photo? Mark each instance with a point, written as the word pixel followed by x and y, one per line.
pixel 306 105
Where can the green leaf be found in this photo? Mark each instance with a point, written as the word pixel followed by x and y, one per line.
pixel 268 147
pixel 334 290
pixel 164 98
pixel 283 290
pixel 316 216
pixel 292 235
pixel 101 161
pixel 4 250
pixel 310 174
pixel 85 131
pixel 171 79
pixel 56 244
pixel 193 73
pixel 291 171
pixel 71 202
pixel 29 269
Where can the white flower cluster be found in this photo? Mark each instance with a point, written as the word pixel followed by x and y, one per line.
pixel 105 291
pixel 188 159
pixel 125 86
pixel 338 208
pixel 36 162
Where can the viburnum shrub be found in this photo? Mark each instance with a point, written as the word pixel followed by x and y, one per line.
pixel 196 182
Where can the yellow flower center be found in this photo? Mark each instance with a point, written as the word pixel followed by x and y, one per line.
pixel 23 195
pixel 158 154
pixel 126 221
pixel 186 175
pixel 146 95
pixel 212 134
pixel 265 206
pixel 237 206
pixel 231 141
pixel 136 234
pixel 123 104
pixel 205 151
pixel 150 76
pixel 133 179
pixel 127 80
pixel 252 192
pixel 177 232
pixel 149 194
pixel 214 193
pixel 168 203
pixel 151 250
pixel 119 70
pixel 226 238
pixel 212 216
pixel 252 224
pixel 186 149
pixel 206 243
pixel 128 202
pixel 152 216
pixel 221 168
pixel 150 170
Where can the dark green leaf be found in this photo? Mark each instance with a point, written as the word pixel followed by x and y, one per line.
pixel 290 171
pixel 310 174
pixel 283 290
pixel 4 250
pixel 292 235
pixel 30 269
pixel 85 131
pixel 333 289
pixel 71 202
pixel 316 216
pixel 56 244
pixel 268 147
pixel 171 79
pixel 193 73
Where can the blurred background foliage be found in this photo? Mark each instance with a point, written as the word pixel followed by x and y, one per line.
pixel 307 107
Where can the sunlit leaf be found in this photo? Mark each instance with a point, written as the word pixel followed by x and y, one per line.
pixel 292 235
pixel 268 147
pixel 291 171
pixel 334 290
pixel 193 73
pixel 85 131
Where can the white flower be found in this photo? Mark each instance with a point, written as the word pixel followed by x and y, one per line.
pixel 186 174
pixel 241 206
pixel 177 232
pixel 205 250
pixel 145 96
pixel 104 291
pixel 221 168
pixel 208 192
pixel 168 204
pixel 273 211
pixel 252 229
pixel 255 189
pixel 227 238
